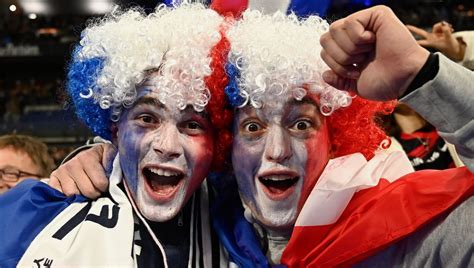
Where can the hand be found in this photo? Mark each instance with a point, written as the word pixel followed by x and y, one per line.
pixel 85 173
pixel 373 53
pixel 441 38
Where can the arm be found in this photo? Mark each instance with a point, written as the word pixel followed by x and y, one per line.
pixel 442 39
pixel 85 173
pixel 388 61
pixel 446 101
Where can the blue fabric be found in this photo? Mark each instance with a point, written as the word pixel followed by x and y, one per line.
pixel 305 8
pixel 25 210
pixel 236 234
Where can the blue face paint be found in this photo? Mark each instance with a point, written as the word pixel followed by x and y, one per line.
pixel 278 153
pixel 165 154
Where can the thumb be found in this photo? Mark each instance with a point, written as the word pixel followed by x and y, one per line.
pixel 339 82
pixel 110 151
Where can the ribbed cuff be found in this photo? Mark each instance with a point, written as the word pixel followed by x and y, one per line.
pixel 427 72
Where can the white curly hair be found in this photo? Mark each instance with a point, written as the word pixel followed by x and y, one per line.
pixel 279 54
pixel 174 41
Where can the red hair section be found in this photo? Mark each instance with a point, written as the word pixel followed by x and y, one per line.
pixel 220 112
pixel 355 128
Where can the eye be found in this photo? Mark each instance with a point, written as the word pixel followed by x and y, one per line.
pixel 147 119
pixel 252 127
pixel 302 125
pixel 193 125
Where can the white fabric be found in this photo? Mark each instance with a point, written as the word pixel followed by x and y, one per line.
pixel 89 244
pixel 269 6
pixel 337 185
pixel 468 38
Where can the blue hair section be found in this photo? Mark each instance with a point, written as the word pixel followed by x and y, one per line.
pixel 232 88
pixel 81 79
pixel 305 8
pixel 172 3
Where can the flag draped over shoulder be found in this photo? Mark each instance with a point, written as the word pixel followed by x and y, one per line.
pixel 359 207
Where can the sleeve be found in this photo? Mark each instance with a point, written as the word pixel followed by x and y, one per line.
pixel 25 210
pixel 447 103
pixel 445 242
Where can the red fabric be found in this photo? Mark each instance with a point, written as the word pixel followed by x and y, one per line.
pixel 429 138
pixel 230 7
pixel 379 216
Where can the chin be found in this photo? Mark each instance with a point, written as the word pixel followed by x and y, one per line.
pixel 276 213
pixel 160 211
pixel 277 220
pixel 273 218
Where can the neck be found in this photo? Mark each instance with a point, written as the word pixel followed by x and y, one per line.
pixel 274 239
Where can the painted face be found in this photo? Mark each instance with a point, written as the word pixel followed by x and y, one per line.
pixel 278 154
pixel 165 154
pixel 15 161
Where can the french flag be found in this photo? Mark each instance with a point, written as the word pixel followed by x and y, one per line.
pixel 359 207
pixel 302 8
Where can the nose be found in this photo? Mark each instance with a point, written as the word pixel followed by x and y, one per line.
pixel 278 145
pixel 166 143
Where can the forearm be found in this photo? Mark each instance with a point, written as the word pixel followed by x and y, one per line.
pixel 447 103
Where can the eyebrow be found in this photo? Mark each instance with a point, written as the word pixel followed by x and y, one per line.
pixel 148 101
pixel 155 102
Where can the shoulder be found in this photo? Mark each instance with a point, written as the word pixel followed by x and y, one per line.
pixel 26 209
pixel 444 242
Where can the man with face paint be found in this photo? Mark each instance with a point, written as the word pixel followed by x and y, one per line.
pixel 309 196
pixel 146 88
pixel 307 191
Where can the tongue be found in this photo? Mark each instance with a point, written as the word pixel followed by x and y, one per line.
pixel 161 188
pixel 162 184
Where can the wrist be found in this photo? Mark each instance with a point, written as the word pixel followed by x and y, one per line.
pixel 427 72
pixel 417 61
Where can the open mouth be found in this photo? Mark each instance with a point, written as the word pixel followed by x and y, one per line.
pixel 162 183
pixel 278 187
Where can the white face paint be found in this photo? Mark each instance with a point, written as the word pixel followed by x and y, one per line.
pixel 165 154
pixel 278 153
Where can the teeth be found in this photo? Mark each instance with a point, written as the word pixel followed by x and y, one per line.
pixel 277 177
pixel 164 172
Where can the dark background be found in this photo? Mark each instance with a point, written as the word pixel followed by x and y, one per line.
pixel 37 38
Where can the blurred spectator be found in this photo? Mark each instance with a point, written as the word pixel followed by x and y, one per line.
pixel 457 46
pixel 418 139
pixel 22 157
pixel 14 97
pixel 59 153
